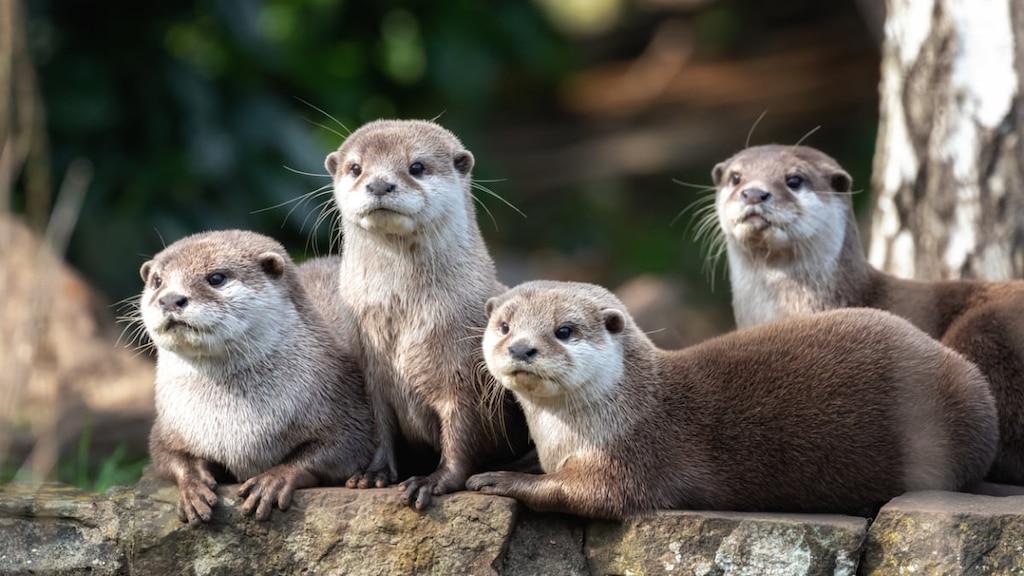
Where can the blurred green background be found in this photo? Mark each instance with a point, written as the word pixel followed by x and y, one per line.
pixel 196 115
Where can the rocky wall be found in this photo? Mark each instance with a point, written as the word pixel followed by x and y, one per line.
pixel 56 529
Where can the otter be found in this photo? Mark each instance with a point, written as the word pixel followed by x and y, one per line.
pixel 415 274
pixel 793 248
pixel 832 413
pixel 251 383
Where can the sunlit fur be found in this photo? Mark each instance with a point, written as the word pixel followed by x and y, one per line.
pixel 415 275
pixel 248 375
pixel 754 420
pixel 805 256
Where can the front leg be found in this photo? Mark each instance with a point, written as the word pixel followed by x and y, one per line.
pixel 465 441
pixel 193 477
pixel 383 470
pixel 578 492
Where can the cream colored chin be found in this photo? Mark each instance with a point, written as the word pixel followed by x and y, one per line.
pixel 388 222
pixel 531 385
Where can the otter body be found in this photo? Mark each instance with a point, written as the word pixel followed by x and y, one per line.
pixel 793 249
pixel 415 275
pixel 249 378
pixel 827 414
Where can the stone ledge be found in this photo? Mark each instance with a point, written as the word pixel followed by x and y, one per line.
pixel 946 533
pixel 54 529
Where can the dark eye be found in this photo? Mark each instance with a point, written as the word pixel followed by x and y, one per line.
pixel 563 333
pixel 417 169
pixel 216 279
pixel 734 178
pixel 355 170
pixel 794 182
pixel 157 281
pixel 503 327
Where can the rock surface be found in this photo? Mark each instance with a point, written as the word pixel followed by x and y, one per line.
pixel 947 533
pixel 58 530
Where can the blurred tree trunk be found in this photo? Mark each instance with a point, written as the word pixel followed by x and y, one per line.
pixel 948 164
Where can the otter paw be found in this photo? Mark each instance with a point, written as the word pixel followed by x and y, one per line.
pixel 276 485
pixel 496 483
pixel 418 489
pixel 196 499
pixel 370 479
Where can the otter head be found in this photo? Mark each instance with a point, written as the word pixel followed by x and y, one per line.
pixel 556 341
pixel 217 293
pixel 772 198
pixel 396 177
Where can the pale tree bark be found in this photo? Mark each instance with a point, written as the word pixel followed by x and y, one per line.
pixel 948 164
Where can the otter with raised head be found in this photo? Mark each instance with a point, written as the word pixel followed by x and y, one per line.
pixel 833 413
pixel 249 379
pixel 415 275
pixel 793 248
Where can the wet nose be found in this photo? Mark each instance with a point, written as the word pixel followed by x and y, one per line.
pixel 173 302
pixel 522 352
pixel 754 196
pixel 380 188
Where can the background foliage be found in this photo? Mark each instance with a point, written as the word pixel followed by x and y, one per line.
pixel 190 112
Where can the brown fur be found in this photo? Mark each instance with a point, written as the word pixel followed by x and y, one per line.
pixel 826 414
pixel 256 385
pixel 415 276
pixel 982 320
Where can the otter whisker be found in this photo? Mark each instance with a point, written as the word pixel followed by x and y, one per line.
pixel 338 122
pixel 300 172
pixel 487 210
pixel 750 133
pixel 806 136
pixel 476 184
pixel 697 187
pixel 691 206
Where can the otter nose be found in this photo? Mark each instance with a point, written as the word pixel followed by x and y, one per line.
pixel 173 302
pixel 380 188
pixel 522 352
pixel 754 196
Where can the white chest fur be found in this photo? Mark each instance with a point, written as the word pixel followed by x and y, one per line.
pixel 238 426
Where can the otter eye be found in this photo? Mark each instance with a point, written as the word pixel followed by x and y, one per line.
pixel 734 178
pixel 157 281
pixel 355 170
pixel 563 332
pixel 503 327
pixel 794 182
pixel 417 169
pixel 216 279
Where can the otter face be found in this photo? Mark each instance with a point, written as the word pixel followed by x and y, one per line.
pixel 773 198
pixel 395 176
pixel 207 296
pixel 554 343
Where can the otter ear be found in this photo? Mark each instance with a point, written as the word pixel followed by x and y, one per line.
pixel 614 320
pixel 717 172
pixel 841 181
pixel 489 306
pixel 272 264
pixel 332 162
pixel 463 161
pixel 144 271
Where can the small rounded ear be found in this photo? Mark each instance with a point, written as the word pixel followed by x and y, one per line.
pixel 614 320
pixel 717 172
pixel 144 271
pixel 489 306
pixel 841 181
pixel 463 161
pixel 272 264
pixel 332 162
